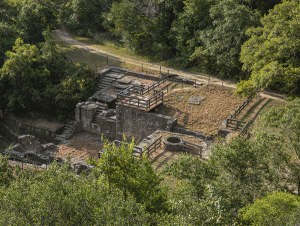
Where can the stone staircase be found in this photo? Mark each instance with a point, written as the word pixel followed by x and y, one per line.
pixel 68 132
pixel 105 83
pixel 101 107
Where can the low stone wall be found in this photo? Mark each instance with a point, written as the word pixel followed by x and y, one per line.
pixel 177 129
pixel 14 127
pixel 174 78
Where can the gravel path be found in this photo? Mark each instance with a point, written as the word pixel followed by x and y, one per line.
pixel 63 35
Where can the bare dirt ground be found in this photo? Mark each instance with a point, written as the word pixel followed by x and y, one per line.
pixel 207 117
pixel 82 145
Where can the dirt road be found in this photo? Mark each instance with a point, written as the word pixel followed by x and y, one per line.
pixel 63 35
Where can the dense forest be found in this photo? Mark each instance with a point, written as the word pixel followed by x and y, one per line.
pixel 244 182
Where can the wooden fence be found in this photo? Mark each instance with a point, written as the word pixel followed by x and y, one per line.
pixel 154 85
pixel 235 124
pixel 139 102
pixel 231 123
pixel 242 106
pixel 153 146
pixel 192 147
pixel 244 130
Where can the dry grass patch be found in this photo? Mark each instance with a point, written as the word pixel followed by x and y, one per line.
pixel 219 102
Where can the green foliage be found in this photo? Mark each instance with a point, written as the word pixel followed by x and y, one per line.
pixel 223 40
pixel 59 197
pixel 278 208
pixel 85 16
pixel 132 175
pixel 272 52
pixel 8 33
pixel 43 80
pixel 284 123
pixel 35 17
pixel 6 172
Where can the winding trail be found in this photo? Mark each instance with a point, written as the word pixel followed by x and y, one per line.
pixel 63 35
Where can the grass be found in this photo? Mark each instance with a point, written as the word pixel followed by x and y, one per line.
pixel 75 54
pixel 219 102
pixel 108 43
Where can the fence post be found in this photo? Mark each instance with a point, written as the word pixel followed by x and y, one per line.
pixel 208 78
pixel 142 67
pixel 160 69
pixel 168 73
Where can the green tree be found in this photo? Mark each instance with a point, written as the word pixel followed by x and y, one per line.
pixel 222 42
pixel 57 196
pixel 35 17
pixel 271 54
pixel 25 77
pixel 132 175
pixel 283 125
pixel 6 171
pixel 277 208
pixel 186 27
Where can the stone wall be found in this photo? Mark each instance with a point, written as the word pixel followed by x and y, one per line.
pixel 174 78
pixel 93 120
pixel 191 133
pixel 133 122
pixel 12 126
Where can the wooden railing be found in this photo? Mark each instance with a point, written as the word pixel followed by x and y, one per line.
pixel 140 103
pixel 153 146
pixel 235 124
pixel 232 123
pixel 194 147
pixel 244 130
pixel 153 86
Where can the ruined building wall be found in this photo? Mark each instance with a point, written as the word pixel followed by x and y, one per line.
pixel 133 122
pixel 93 120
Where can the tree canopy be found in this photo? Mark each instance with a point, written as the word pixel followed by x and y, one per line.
pixel 271 54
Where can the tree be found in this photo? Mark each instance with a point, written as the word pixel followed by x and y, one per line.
pixel 271 54
pixel 57 196
pixel 8 34
pixel 284 128
pixel 186 27
pixel 223 40
pixel 35 17
pixel 132 175
pixel 25 77
pixel 277 208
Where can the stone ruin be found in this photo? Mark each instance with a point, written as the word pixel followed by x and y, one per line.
pixel 30 149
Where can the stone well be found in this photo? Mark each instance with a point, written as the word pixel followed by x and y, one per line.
pixel 173 143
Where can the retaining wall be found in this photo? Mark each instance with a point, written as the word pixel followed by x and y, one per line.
pixel 133 122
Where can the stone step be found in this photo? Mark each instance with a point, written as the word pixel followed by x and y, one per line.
pixel 105 83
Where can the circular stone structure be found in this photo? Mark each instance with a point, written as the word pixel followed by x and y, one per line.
pixel 173 143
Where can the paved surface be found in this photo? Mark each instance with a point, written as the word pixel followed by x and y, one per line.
pixel 63 35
